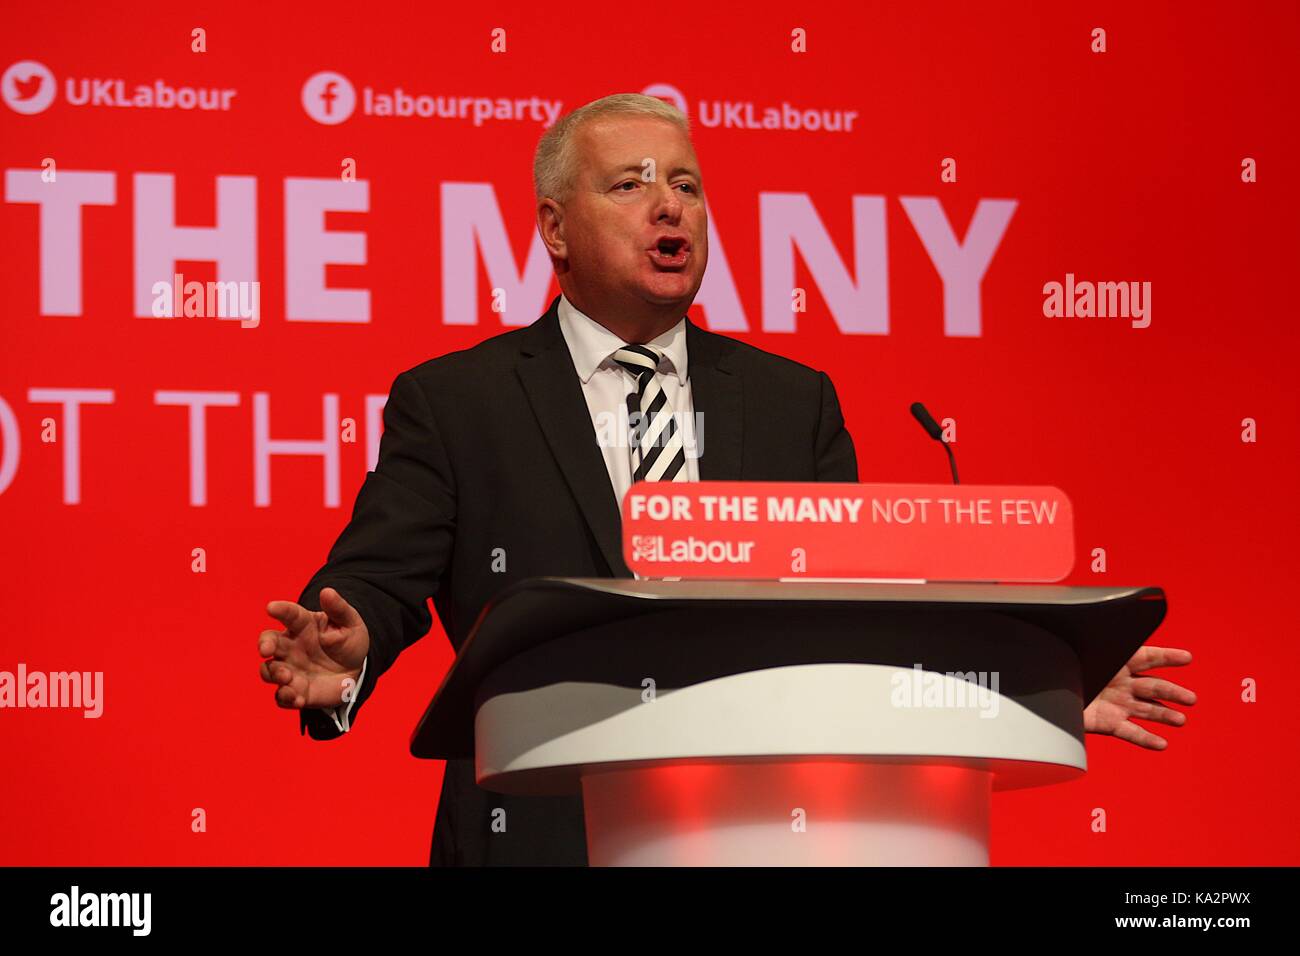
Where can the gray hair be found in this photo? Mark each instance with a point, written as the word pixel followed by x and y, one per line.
pixel 554 166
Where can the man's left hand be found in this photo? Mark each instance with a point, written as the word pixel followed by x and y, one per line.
pixel 1129 694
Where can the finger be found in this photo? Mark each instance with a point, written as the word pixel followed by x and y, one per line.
pixel 1164 715
pixel 293 616
pixel 337 609
pixel 1143 738
pixel 1157 688
pixel 289 697
pixel 274 644
pixel 1149 657
pixel 273 672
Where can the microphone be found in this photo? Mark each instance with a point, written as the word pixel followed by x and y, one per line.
pixel 934 431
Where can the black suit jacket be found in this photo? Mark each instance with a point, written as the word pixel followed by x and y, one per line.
pixel 489 472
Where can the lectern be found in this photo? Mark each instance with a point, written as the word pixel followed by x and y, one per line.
pixel 746 722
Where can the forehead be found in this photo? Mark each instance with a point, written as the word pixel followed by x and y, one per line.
pixel 613 142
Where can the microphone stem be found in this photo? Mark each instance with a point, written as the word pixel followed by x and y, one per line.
pixel 952 462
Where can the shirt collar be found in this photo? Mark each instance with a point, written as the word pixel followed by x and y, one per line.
pixel 592 345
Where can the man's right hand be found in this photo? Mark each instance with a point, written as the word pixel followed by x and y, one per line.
pixel 317 658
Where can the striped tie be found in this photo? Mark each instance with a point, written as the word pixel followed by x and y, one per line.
pixel 656 441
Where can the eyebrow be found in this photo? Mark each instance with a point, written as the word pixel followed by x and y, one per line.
pixel 638 167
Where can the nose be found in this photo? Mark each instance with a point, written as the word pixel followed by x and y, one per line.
pixel 668 204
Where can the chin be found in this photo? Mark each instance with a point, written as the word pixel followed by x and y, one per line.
pixel 669 288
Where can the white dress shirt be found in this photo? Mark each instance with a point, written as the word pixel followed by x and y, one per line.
pixel 606 385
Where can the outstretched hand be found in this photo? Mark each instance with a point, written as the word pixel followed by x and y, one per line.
pixel 1130 694
pixel 316 655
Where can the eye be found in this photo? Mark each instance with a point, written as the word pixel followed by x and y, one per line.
pixel 690 186
pixel 626 182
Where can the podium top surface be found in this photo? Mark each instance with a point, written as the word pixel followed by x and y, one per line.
pixel 531 612
pixel 805 589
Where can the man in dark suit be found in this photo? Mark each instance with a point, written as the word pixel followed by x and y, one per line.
pixel 494 467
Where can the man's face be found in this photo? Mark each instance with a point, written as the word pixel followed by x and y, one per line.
pixel 634 242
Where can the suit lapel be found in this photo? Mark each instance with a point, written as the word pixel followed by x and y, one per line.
pixel 717 391
pixel 550 380
pixel 548 375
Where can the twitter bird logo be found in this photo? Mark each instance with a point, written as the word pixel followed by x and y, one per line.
pixel 27 87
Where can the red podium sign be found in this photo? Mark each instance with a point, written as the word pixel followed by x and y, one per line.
pixel 814 530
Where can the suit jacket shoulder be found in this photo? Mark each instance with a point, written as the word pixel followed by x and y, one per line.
pixel 474 364
pixel 746 357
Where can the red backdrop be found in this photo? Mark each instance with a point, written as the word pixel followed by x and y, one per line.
pixel 1124 165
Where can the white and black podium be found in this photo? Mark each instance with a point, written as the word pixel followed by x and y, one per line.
pixel 782 722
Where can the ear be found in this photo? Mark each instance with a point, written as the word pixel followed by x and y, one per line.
pixel 550 226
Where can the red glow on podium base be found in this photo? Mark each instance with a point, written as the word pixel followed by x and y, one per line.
pixel 798 812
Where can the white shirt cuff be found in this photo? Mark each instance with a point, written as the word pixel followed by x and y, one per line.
pixel 344 724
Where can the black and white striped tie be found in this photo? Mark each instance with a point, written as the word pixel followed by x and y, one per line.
pixel 655 439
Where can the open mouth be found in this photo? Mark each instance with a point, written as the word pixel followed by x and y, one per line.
pixel 670 253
